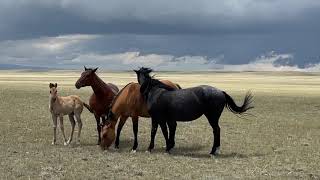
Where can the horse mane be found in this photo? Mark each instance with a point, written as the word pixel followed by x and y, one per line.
pixel 151 82
pixel 159 84
pixel 116 97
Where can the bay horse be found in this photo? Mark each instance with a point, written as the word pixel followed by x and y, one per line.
pixel 127 103
pixel 60 106
pixel 167 105
pixel 102 96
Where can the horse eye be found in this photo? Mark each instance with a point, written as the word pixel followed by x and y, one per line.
pixel 50 92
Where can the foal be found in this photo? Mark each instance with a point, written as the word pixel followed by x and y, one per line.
pixel 127 103
pixel 60 106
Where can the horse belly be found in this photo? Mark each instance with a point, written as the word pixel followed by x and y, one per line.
pixel 185 110
pixel 185 114
pixel 99 106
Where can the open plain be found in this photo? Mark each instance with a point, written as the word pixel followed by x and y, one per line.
pixel 279 140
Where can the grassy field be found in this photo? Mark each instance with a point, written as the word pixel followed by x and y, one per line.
pixel 281 140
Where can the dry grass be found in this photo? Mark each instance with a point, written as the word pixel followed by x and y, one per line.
pixel 281 142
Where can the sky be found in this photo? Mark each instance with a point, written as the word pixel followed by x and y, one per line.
pixel 241 35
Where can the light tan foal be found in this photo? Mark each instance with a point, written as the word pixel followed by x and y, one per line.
pixel 60 106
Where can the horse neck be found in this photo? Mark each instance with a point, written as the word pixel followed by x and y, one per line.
pixel 53 101
pixel 99 87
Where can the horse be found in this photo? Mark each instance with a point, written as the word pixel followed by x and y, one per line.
pixel 60 106
pixel 167 106
pixel 102 96
pixel 127 103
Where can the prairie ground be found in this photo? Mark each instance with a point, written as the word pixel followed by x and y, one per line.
pixel 281 140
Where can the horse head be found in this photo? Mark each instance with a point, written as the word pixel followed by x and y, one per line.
pixel 143 74
pixel 107 134
pixel 53 90
pixel 86 77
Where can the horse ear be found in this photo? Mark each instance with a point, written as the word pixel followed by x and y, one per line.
pixel 51 85
pixel 136 71
pixel 95 70
pixel 55 85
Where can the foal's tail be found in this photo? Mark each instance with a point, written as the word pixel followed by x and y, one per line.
pixel 231 105
pixel 88 107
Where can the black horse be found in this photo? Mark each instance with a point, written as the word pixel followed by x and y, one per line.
pixel 167 105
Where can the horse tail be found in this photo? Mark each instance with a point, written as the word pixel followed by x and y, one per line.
pixel 178 86
pixel 231 105
pixel 88 107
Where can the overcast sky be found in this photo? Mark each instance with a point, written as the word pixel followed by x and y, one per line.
pixel 166 34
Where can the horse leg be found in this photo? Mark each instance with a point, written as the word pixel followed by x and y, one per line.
pixel 73 123
pixel 154 128
pixel 122 121
pixel 213 119
pixel 78 118
pixel 62 131
pixel 172 131
pixel 54 119
pixel 98 128
pixel 135 132
pixel 164 130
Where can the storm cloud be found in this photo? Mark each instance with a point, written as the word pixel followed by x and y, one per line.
pixel 180 33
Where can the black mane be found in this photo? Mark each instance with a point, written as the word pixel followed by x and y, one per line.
pixel 151 82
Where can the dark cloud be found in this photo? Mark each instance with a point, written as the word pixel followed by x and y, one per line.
pixel 25 19
pixel 32 32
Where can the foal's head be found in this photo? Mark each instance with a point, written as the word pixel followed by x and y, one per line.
pixel 86 77
pixel 53 90
pixel 143 74
pixel 107 135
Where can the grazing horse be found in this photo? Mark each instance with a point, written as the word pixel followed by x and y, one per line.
pixel 60 106
pixel 167 105
pixel 102 96
pixel 127 103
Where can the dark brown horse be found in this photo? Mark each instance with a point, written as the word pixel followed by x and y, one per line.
pixel 128 103
pixel 102 96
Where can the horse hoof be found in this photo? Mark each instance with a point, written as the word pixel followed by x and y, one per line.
pixel 53 143
pixel 216 152
pixel 148 151
pixel 65 143
pixel 133 151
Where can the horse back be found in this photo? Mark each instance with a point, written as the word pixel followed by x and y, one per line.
pixel 169 83
pixel 68 104
pixel 130 102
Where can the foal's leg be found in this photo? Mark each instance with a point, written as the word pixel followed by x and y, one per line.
pixel 172 131
pixel 122 121
pixel 62 131
pixel 98 128
pixel 78 118
pixel 54 119
pixel 73 123
pixel 154 128
pixel 135 132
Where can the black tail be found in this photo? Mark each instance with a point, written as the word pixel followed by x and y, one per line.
pixel 88 107
pixel 179 87
pixel 231 105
